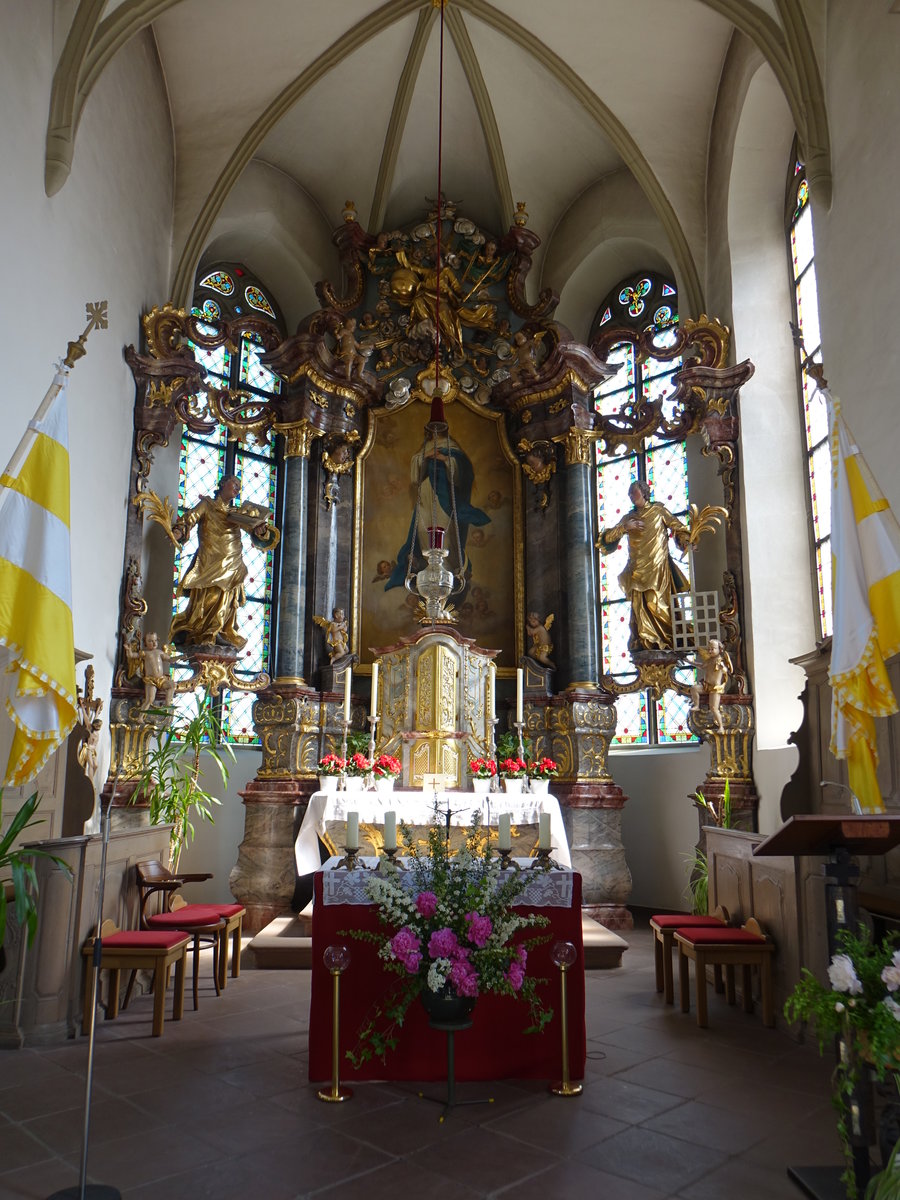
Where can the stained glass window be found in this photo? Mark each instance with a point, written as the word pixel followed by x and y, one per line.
pixel 815 416
pixel 663 465
pixel 205 459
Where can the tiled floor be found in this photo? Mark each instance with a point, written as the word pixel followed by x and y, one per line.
pixel 220 1107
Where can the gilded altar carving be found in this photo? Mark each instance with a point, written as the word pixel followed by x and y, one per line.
pixel 578 445
pixel 298 438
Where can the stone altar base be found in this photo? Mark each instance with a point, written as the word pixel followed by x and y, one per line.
pixel 263 878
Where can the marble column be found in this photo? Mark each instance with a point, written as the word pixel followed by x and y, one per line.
pixel 581 560
pixel 291 590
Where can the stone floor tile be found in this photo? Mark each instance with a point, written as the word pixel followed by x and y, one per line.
pixel 653 1159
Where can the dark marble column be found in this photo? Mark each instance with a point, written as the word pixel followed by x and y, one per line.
pixel 292 591
pixel 581 560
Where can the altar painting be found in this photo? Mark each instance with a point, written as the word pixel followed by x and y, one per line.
pixel 484 482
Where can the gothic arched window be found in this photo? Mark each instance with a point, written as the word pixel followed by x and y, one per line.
pixel 815 416
pixel 642 302
pixel 229 292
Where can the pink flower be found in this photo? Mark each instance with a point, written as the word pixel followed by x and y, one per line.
pixel 464 979
pixel 406 948
pixel 516 975
pixel 521 955
pixel 426 903
pixel 480 928
pixel 442 943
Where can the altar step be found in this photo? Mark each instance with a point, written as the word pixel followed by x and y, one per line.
pixel 286 944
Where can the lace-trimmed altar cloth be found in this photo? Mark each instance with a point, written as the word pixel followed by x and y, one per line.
pixel 540 889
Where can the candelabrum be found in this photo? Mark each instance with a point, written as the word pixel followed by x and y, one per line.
pixel 507 862
pixel 543 861
pixel 373 725
pixel 519 727
pixel 337 960
pixel 389 853
pixel 492 751
pixel 564 955
pixel 351 860
pixel 345 729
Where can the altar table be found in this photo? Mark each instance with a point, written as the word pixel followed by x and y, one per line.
pixel 416 807
pixel 496 1047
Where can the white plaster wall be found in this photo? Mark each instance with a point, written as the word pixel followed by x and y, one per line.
pixel 105 235
pixel 858 241
pixel 215 847
pixel 778 582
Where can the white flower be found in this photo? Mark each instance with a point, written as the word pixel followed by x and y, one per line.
pixel 896 958
pixel 842 975
pixel 891 977
pixel 438 973
pixel 893 1007
pixel 838 1007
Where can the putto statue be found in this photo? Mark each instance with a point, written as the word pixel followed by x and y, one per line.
pixel 650 576
pixel 715 668
pixel 152 663
pixel 539 633
pixel 337 637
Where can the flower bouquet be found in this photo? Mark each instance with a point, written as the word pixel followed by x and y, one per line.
pixel 482 771
pixel 540 772
pixel 860 1008
pixel 448 930
pixel 330 767
pixel 514 773
pixel 386 769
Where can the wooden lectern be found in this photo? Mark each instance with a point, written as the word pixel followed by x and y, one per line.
pixel 838 837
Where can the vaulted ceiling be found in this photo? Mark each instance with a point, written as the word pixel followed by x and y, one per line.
pixel 541 102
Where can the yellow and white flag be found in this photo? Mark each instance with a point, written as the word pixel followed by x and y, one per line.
pixel 866 571
pixel 36 639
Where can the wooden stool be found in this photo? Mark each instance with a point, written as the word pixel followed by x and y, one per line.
pixel 233 916
pixel 201 923
pixel 746 948
pixel 664 926
pixel 141 949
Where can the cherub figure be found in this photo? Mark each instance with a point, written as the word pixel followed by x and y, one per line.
pixel 152 663
pixel 350 352
pixel 525 353
pixel 715 668
pixel 337 636
pixel 539 632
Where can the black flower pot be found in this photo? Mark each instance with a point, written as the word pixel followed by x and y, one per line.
pixel 445 1007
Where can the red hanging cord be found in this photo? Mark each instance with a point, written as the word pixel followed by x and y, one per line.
pixel 437 400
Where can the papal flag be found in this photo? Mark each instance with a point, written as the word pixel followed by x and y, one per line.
pixel 866 551
pixel 36 641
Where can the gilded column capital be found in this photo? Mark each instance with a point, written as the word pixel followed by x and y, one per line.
pixel 578 444
pixel 298 438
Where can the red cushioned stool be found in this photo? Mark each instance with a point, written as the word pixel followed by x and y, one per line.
pixel 156 950
pixel 664 926
pixel 233 916
pixel 746 947
pixel 203 924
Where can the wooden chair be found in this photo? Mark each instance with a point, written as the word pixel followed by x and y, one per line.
pixel 746 948
pixel 140 949
pixel 155 879
pixel 664 926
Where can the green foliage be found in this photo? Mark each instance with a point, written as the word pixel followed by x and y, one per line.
pixel 508 745
pixel 357 742
pixel 720 813
pixel 886 1184
pixel 172 774
pixel 859 1006
pixel 698 881
pixel 20 865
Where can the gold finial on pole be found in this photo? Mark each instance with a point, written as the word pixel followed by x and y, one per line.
pixel 96 319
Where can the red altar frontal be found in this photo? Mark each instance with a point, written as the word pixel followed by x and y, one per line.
pixel 496 1047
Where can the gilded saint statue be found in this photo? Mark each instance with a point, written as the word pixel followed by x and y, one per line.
pixel 715 668
pixel 650 576
pixel 214 582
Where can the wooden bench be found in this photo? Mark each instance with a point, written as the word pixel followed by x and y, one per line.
pixel 137 950
pixel 664 926
pixel 746 948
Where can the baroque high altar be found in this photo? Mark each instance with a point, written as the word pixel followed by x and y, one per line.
pixel 357 380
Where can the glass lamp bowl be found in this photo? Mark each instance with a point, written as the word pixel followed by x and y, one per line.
pixel 563 954
pixel 337 957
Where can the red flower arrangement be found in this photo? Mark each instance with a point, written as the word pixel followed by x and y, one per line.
pixel 542 768
pixel 482 768
pixel 386 766
pixel 358 765
pixel 512 768
pixel 331 764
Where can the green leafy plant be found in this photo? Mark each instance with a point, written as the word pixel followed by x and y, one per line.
pixel 886 1184
pixel 20 867
pixel 508 745
pixel 859 1006
pixel 173 771
pixel 447 926
pixel 357 742
pixel 698 880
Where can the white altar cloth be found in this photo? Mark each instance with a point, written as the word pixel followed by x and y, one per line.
pixel 417 808
pixel 540 889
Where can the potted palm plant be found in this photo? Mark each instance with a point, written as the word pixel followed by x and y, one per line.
pixel 17 873
pixel 173 771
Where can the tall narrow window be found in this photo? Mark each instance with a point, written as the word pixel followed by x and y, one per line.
pixel 645 302
pixel 207 457
pixel 815 417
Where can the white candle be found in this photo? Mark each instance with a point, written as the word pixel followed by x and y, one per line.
pixel 492 684
pixel 348 682
pixel 520 693
pixel 352 830
pixel 390 831
pixel 503 837
pixel 544 838
pixel 374 702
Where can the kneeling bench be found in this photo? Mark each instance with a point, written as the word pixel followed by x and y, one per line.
pixel 746 947
pixel 141 949
pixel 664 926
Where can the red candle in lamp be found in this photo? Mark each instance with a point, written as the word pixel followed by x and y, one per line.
pixel 436 537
